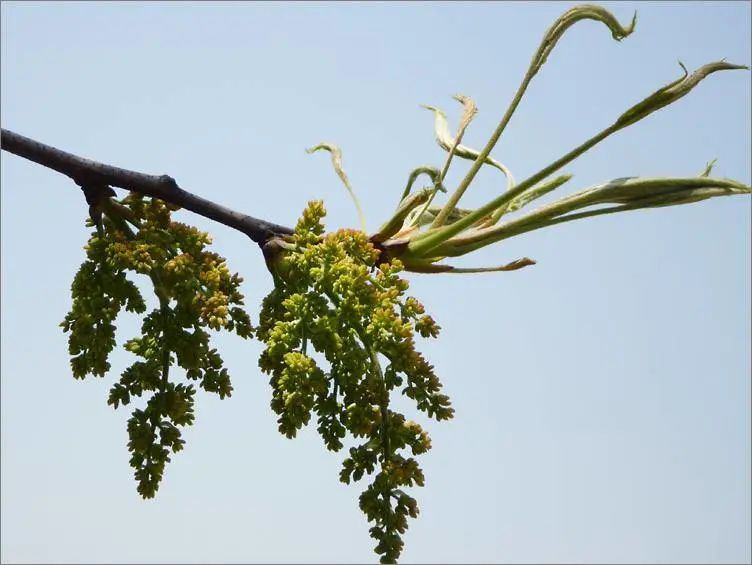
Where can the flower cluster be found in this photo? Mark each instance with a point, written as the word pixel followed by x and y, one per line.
pixel 195 291
pixel 333 295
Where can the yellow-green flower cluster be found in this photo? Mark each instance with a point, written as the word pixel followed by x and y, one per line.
pixel 332 294
pixel 195 291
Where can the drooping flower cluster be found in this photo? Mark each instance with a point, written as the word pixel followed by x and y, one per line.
pixel 196 292
pixel 333 296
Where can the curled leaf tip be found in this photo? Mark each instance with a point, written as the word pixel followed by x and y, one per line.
pixel 336 154
pixel 629 29
pixel 741 67
pixel 324 146
pixel 469 110
pixel 571 17
pixel 447 141
pixel 433 109
pixel 466 101
pixel 429 170
pixel 672 92
pixel 519 264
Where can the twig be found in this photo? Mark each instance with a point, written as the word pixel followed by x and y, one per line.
pixel 85 172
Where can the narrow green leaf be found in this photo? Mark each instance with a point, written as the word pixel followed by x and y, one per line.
pixel 629 193
pixel 672 92
pixel 430 267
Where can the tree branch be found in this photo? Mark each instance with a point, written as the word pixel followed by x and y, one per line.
pixel 85 172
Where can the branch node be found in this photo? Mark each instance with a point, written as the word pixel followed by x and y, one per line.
pixel 168 182
pixel 95 193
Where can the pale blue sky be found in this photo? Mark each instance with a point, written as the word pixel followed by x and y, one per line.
pixel 602 396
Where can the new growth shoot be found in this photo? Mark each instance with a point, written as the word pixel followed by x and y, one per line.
pixel 421 235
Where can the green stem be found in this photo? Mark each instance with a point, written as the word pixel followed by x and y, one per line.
pixel 550 39
pixel 383 403
pixel 548 43
pixel 165 309
pixel 423 244
pixel 394 224
pixel 442 175
pixel 483 155
pixel 524 199
pixel 467 116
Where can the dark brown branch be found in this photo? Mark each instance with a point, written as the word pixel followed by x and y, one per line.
pixel 86 172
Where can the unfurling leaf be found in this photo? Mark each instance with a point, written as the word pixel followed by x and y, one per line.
pixel 672 92
pixel 336 154
pixel 446 140
pixel 571 17
pixel 432 172
pixel 394 224
pixel 468 112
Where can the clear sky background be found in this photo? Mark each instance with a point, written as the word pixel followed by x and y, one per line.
pixel 602 396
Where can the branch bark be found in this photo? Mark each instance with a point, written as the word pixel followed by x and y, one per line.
pixel 85 172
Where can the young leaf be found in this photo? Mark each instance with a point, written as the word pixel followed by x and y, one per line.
pixel 672 92
pixel 432 172
pixel 336 154
pixel 446 141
